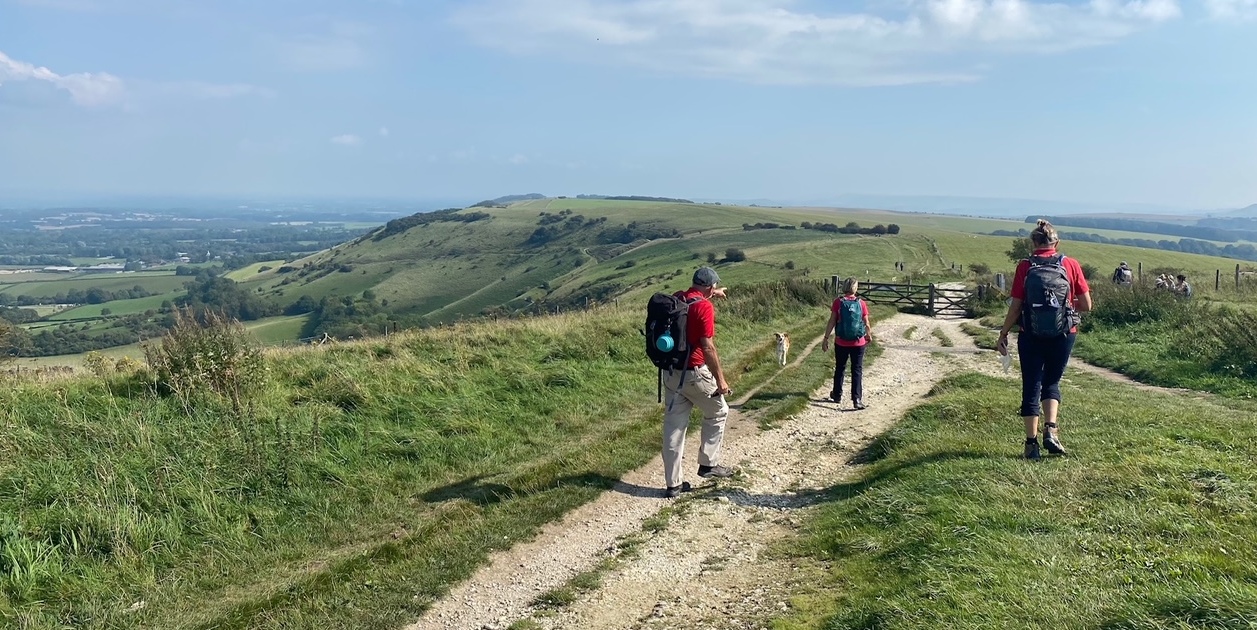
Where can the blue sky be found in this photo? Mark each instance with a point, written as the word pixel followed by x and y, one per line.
pixel 1105 101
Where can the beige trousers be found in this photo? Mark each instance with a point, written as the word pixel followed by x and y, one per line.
pixel 679 400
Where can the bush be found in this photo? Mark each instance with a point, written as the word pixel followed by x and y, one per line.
pixel 789 264
pixel 1128 305
pixel 206 355
pixel 1090 271
pixel 980 269
pixel 734 254
pixel 711 258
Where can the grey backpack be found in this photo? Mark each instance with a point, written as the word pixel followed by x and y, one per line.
pixel 1046 311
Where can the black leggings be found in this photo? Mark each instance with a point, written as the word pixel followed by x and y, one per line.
pixel 856 355
pixel 1043 363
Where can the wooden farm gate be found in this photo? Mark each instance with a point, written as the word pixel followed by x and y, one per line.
pixel 928 298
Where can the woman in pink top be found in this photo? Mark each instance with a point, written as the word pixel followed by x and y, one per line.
pixel 1044 356
pixel 850 315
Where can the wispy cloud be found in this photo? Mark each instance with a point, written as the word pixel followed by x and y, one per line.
pixel 98 89
pixel 338 47
pixel 773 41
pixel 384 132
pixel 85 88
pixel 1232 9
pixel 347 140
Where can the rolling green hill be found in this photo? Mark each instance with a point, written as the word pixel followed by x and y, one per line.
pixel 547 253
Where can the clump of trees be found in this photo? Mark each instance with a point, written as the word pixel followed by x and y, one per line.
pixel 766 226
pixel 93 295
pixel 209 292
pixel 635 231
pixel 852 228
pixel 456 215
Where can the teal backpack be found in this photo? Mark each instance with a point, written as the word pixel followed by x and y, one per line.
pixel 850 320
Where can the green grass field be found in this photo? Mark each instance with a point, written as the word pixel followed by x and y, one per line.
pixel 117 308
pixel 251 272
pixel 1149 523
pixel 367 479
pixel 275 330
pixel 154 281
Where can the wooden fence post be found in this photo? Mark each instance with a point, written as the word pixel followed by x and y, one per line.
pixel 833 286
pixel 1141 273
pixel 1217 280
pixel 932 293
pixel 1237 276
pixel 999 281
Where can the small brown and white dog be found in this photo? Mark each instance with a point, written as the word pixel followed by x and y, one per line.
pixel 783 346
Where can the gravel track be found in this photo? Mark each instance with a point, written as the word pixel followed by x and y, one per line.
pixel 707 568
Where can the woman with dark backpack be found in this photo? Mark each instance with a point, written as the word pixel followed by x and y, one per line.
pixel 1048 292
pixel 850 315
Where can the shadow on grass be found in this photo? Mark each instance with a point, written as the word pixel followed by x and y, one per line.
pixel 840 491
pixel 481 492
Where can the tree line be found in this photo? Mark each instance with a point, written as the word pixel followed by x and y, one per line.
pixel 1187 245
pixel 1212 233
pixel 851 228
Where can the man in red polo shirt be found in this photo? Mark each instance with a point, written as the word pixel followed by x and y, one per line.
pixel 702 384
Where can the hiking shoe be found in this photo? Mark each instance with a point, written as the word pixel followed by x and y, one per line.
pixel 673 492
pixel 707 472
pixel 1053 445
pixel 859 404
pixel 1032 449
pixel 835 397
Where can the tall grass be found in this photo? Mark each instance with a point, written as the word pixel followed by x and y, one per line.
pixel 359 483
pixel 1155 336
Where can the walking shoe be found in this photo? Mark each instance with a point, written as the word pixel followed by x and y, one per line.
pixel 673 492
pixel 707 472
pixel 1052 444
pixel 1032 448
pixel 835 397
pixel 859 404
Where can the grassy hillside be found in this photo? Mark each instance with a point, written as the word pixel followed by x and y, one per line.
pixel 364 480
pixel 599 249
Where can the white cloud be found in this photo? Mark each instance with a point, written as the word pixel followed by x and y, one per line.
pixel 347 140
pixel 86 88
pixel 1232 9
pixel 384 132
pixel 774 41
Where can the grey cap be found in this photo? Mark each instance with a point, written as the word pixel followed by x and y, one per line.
pixel 706 277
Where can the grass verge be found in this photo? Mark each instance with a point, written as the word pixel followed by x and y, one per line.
pixel 1151 522
pixel 943 339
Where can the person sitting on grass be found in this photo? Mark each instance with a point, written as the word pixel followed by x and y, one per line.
pixel 1048 292
pixel 1183 289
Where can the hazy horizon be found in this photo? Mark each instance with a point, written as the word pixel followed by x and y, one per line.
pixel 1102 103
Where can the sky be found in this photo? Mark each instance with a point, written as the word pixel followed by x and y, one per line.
pixel 1100 101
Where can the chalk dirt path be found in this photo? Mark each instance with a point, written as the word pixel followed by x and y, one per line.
pixel 706 568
